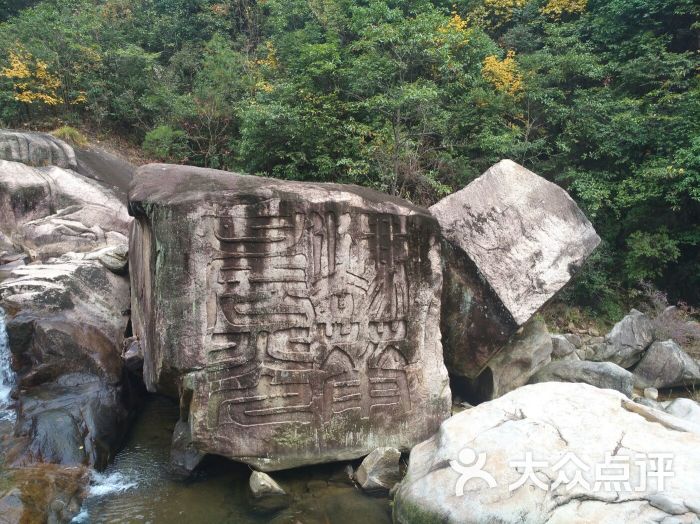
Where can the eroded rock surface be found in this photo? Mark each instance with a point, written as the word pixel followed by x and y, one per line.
pixel 514 239
pixel 298 323
pixel 527 352
pixel 379 471
pixel 50 211
pixel 565 429
pixel 36 149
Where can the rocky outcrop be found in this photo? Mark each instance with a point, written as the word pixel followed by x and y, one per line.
pixel 528 351
pixel 298 323
pixel 36 149
pixel 686 409
pixel 379 471
pixel 666 365
pixel 626 342
pixel 513 240
pixel 555 453
pixel 604 375
pixel 50 211
pixel 65 322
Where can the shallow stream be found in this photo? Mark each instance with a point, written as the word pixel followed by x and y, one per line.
pixel 137 487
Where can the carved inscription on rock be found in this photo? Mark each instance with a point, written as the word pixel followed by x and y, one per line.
pixel 310 323
pixel 298 323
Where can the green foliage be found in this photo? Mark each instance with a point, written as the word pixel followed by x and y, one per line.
pixel 165 143
pixel 413 97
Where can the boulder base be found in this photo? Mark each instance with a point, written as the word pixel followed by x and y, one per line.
pixel 298 323
pixel 475 470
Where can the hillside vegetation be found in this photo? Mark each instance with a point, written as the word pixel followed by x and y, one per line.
pixel 412 97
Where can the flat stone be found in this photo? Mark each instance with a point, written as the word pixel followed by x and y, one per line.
pixel 604 375
pixel 516 240
pixel 298 323
pixel 473 470
pixel 666 365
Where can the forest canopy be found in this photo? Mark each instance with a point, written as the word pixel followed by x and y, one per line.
pixel 412 97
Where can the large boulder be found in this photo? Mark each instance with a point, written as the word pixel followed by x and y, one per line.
pixel 527 352
pixel 49 211
pixel 666 365
pixel 65 323
pixel 555 453
pixel 36 149
pixel 298 323
pixel 626 342
pixel 513 240
pixel 604 375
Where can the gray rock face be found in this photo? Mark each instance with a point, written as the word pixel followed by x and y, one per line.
pixel 685 409
pixel 51 211
pixel 36 149
pixel 516 240
pixel 626 341
pixel 561 347
pixel 666 365
pixel 528 351
pixel 307 314
pixel 546 422
pixel 379 471
pixel 605 375
pixel 65 323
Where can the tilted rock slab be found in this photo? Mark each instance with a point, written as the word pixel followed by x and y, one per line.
pixel 299 323
pixel 568 431
pixel 36 149
pixel 513 240
pixel 50 211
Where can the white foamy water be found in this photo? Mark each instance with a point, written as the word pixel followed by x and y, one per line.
pixel 103 484
pixel 7 377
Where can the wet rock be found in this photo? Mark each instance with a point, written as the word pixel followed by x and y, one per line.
pixel 604 375
pixel 36 149
pixel 685 409
pixel 50 211
pixel 307 314
pixel 666 365
pixel 626 341
pixel 545 422
pixel 562 348
pixel 184 457
pixel 65 325
pixel 379 471
pixel 42 493
pixel 266 493
pixel 528 351
pixel 513 240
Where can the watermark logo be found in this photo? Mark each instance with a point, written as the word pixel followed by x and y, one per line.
pixel 615 473
pixel 470 465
